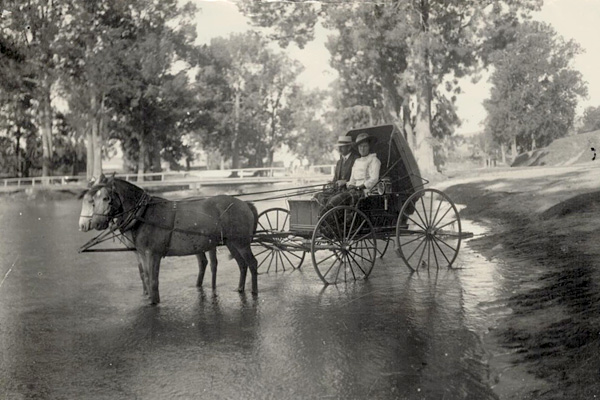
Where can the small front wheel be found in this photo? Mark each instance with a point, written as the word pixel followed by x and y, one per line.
pixel 274 246
pixel 343 246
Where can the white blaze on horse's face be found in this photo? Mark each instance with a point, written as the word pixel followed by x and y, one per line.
pixel 102 206
pixel 87 211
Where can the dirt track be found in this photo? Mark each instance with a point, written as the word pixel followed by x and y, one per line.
pixel 544 227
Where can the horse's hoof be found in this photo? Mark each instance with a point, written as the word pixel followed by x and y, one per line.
pixel 240 290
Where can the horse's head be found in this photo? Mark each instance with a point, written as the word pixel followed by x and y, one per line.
pixel 99 206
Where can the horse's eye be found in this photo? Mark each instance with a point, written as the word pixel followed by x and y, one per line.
pixel 91 201
pixel 106 199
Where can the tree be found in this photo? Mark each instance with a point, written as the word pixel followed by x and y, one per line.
pixel 312 139
pixel 35 31
pixel 591 120
pixel 245 91
pixel 535 89
pixel 401 52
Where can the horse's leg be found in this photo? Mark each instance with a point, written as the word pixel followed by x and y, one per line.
pixel 143 276
pixel 241 264
pixel 153 264
pixel 246 252
pixel 202 261
pixel 212 254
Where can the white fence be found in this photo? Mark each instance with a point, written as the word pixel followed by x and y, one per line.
pixel 233 176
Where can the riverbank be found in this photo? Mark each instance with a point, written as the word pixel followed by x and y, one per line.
pixel 545 230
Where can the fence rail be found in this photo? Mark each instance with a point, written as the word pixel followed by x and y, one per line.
pixel 194 178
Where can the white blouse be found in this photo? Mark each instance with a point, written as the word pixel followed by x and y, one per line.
pixel 365 171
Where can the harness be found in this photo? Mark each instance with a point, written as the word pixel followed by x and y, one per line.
pixel 135 215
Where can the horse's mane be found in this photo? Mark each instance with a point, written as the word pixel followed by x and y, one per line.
pixel 94 189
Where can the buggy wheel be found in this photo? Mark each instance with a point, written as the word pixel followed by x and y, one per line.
pixel 428 232
pixel 382 245
pixel 343 245
pixel 273 245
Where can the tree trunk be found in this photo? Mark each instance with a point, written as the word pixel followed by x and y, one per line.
pixel 235 148
pixel 424 148
pixel 503 151
pixel 141 158
pixel 408 129
pixel 532 142
pixel 46 128
pixel 96 136
pixel 89 146
pixel 18 153
pixel 514 148
pixel 155 159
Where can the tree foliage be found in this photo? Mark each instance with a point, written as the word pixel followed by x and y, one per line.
pixel 245 91
pixel 535 89
pixel 590 120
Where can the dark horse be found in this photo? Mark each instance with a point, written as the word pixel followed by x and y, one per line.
pixel 159 228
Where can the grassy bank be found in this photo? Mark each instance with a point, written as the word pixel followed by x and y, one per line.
pixel 545 224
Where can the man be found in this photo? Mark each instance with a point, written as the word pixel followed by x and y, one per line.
pixel 343 169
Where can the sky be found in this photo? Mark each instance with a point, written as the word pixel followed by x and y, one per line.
pixel 572 19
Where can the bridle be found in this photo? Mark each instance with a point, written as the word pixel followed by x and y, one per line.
pixel 117 211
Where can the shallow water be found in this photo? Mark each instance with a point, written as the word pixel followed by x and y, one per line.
pixel 76 325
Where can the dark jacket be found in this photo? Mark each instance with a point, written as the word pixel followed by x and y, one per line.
pixel 343 170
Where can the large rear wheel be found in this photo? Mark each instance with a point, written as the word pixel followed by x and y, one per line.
pixel 343 246
pixel 428 232
pixel 274 246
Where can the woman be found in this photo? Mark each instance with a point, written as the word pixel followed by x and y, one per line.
pixel 365 174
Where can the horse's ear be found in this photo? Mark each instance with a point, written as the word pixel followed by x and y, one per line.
pixel 83 193
pixel 102 178
pixel 91 182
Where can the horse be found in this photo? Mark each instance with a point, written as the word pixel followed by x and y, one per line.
pixel 159 228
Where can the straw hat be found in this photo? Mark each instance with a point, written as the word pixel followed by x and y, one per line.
pixel 344 141
pixel 365 136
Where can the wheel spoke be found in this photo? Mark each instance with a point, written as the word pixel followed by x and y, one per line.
pixel 451 222
pixel 271 262
pixel 352 223
pixel 287 258
pixel 415 222
pixel 265 259
pixel 361 256
pixel 357 230
pixel 350 264
pixel 437 264
pixel 428 253
pixel 419 215
pixel 337 272
pixel 441 251
pixel 414 251
pixel 410 241
pixel 437 211
pixel 424 210
pixel 423 252
pixel 335 261
pixel 452 248
pixel 269 221
pixel 287 215
pixel 264 251
pixel 357 263
pixel 446 213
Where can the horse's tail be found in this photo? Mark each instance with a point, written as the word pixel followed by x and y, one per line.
pixel 255 212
